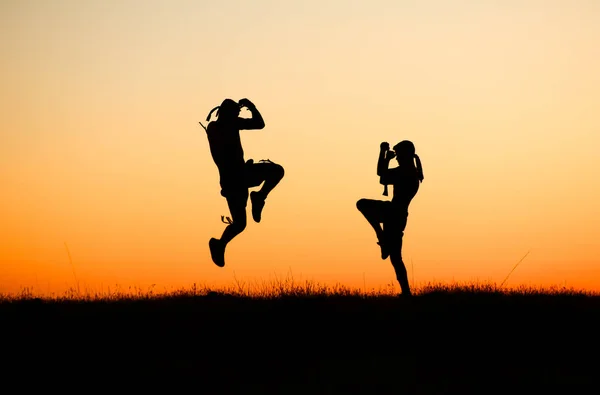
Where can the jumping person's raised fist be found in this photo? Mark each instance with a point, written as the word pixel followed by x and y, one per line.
pixel 246 103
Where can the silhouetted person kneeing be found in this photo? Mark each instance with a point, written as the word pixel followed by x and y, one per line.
pixel 393 214
pixel 237 175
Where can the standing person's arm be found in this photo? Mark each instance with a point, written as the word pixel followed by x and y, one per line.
pixel 385 155
pixel 256 122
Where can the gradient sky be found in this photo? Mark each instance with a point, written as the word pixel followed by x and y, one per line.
pixel 100 146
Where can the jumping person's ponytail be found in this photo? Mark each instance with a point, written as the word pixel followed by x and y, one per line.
pixel 227 107
pixel 419 168
pixel 211 111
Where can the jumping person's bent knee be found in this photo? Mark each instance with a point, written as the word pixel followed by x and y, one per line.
pixel 277 171
pixel 239 225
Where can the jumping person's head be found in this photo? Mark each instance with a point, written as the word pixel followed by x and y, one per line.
pixel 229 109
pixel 405 154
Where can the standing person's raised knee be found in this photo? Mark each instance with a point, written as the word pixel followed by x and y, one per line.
pixel 361 204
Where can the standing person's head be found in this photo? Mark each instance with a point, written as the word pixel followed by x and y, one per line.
pixel 405 154
pixel 229 109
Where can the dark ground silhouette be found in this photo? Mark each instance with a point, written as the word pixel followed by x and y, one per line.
pixel 236 175
pixel 388 218
pixel 428 344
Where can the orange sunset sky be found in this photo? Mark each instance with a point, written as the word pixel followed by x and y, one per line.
pixel 100 146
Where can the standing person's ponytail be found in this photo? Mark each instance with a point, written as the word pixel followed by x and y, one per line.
pixel 419 168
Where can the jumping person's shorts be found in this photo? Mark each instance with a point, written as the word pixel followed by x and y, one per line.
pixel 236 188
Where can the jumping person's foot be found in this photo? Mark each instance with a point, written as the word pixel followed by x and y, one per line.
pixel 217 251
pixel 384 251
pixel 258 202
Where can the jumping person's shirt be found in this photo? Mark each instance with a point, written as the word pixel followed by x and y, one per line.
pixel 405 181
pixel 226 148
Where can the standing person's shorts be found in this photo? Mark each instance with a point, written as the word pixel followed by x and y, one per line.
pixel 393 219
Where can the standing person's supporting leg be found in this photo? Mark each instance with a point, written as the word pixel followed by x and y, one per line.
pixel 256 173
pixel 375 211
pixel 394 233
pixel 237 202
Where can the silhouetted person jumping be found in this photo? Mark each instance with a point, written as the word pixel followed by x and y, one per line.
pixel 237 175
pixel 393 214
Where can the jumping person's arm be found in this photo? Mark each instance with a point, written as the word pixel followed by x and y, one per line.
pixel 256 122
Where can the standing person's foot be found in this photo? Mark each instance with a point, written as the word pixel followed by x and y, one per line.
pixel 258 202
pixel 384 251
pixel 217 251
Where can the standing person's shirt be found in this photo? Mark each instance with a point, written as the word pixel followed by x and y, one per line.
pixel 406 184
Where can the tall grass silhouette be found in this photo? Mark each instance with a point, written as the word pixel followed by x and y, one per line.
pixel 299 337
pixel 288 287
